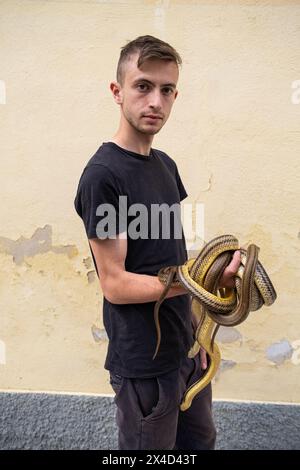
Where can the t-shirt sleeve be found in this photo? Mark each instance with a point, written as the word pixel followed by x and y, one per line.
pixel 97 202
pixel 181 188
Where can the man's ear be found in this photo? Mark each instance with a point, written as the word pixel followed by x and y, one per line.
pixel 116 90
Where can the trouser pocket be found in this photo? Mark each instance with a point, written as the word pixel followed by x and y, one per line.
pixel 116 382
pixel 147 394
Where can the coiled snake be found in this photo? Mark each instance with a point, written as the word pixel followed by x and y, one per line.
pixel 213 306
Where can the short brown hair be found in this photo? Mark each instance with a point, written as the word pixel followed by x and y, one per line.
pixel 148 47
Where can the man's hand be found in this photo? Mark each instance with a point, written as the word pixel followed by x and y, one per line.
pixel 227 279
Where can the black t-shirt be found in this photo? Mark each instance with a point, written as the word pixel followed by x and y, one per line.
pixel 150 181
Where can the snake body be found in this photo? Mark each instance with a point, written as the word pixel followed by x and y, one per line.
pixel 213 306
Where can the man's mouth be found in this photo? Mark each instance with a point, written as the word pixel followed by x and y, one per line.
pixel 152 116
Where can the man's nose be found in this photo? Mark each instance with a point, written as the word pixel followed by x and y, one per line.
pixel 155 100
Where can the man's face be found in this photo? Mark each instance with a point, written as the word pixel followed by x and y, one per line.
pixel 147 94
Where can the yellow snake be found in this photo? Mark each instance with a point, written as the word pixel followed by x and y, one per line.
pixel 213 306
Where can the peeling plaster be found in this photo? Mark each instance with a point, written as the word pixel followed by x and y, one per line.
pixel 87 262
pixel 225 365
pixel 91 275
pixel 228 335
pixel 40 242
pixel 99 334
pixel 279 352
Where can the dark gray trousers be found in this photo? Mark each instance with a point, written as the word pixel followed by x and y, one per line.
pixel 148 414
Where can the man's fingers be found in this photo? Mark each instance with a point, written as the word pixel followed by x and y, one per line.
pixel 236 260
pixel 234 264
pixel 228 276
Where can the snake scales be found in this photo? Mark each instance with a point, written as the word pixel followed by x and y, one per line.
pixel 213 306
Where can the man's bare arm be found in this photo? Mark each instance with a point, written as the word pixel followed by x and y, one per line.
pixel 120 286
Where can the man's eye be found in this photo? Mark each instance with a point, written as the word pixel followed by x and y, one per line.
pixel 143 87
pixel 167 91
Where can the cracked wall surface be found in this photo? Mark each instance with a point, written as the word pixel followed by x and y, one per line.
pixel 234 134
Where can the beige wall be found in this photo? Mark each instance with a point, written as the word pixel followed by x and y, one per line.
pixel 234 134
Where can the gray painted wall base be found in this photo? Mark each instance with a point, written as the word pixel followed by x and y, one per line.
pixel 55 421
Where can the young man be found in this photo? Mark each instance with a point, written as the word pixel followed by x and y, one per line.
pixel 148 391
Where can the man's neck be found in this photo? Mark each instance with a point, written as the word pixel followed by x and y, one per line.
pixel 133 141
